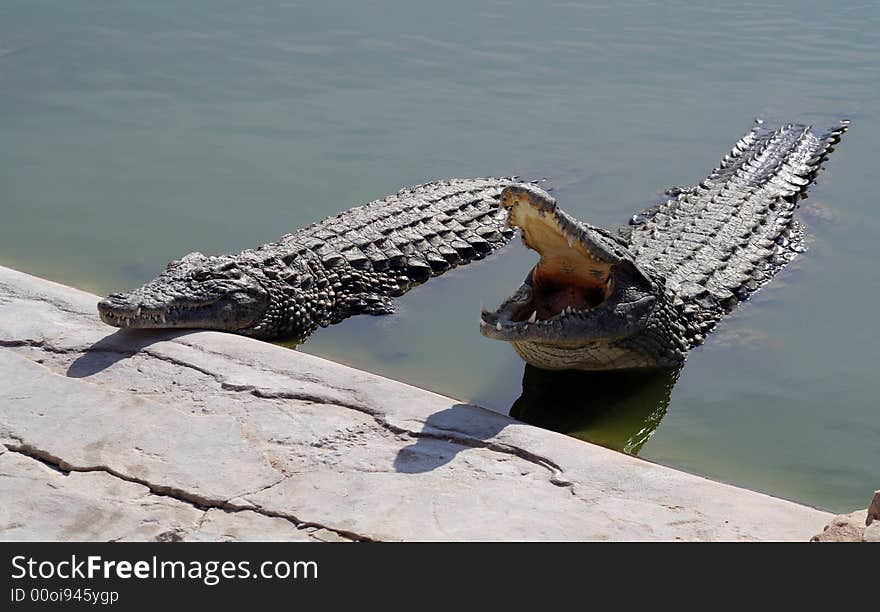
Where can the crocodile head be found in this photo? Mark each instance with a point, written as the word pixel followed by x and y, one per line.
pixel 194 292
pixel 586 304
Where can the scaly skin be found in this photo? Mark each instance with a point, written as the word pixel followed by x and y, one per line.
pixel 353 263
pixel 640 297
pixel 646 295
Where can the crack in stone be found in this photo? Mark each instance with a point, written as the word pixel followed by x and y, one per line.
pixel 556 472
pixel 443 434
pixel 200 503
pixel 303 396
pixel 262 367
pixel 281 479
pixel 201 520
pixel 183 364
pixel 40 344
pixel 13 291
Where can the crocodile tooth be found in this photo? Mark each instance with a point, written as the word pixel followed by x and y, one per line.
pixel 498 326
pixel 482 322
pixel 534 316
pixel 570 240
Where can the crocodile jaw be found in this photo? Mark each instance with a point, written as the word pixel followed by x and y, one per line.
pixel 195 292
pixel 574 272
pixel 580 302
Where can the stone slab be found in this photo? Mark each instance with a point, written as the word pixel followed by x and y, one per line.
pixel 242 439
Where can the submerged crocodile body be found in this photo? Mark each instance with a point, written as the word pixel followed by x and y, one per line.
pixel 355 262
pixel 646 294
pixel 641 296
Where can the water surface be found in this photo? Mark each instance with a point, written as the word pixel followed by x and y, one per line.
pixel 133 133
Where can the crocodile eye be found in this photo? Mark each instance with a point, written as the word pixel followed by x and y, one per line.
pixel 201 275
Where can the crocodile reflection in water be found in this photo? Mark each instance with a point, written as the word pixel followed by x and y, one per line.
pixel 620 409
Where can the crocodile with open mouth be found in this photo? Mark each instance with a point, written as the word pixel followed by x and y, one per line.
pixel 642 296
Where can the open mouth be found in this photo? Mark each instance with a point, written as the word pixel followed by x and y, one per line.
pixel 568 278
pixel 573 277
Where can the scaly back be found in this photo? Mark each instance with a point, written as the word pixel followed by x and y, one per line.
pixel 718 242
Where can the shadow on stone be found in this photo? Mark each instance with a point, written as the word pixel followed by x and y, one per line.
pixel 620 410
pixel 117 346
pixel 445 434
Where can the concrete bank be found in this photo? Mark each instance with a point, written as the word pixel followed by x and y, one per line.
pixel 128 435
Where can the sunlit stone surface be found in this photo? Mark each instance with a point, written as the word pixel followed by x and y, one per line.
pixel 110 434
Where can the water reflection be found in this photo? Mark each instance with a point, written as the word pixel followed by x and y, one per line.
pixel 620 409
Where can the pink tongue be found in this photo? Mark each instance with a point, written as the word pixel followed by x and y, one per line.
pixel 558 290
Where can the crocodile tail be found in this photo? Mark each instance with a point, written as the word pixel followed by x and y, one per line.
pixel 720 241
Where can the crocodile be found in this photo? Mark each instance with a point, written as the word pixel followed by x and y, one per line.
pixel 643 295
pixel 352 263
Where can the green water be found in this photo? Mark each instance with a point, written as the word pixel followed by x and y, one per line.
pixel 134 132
